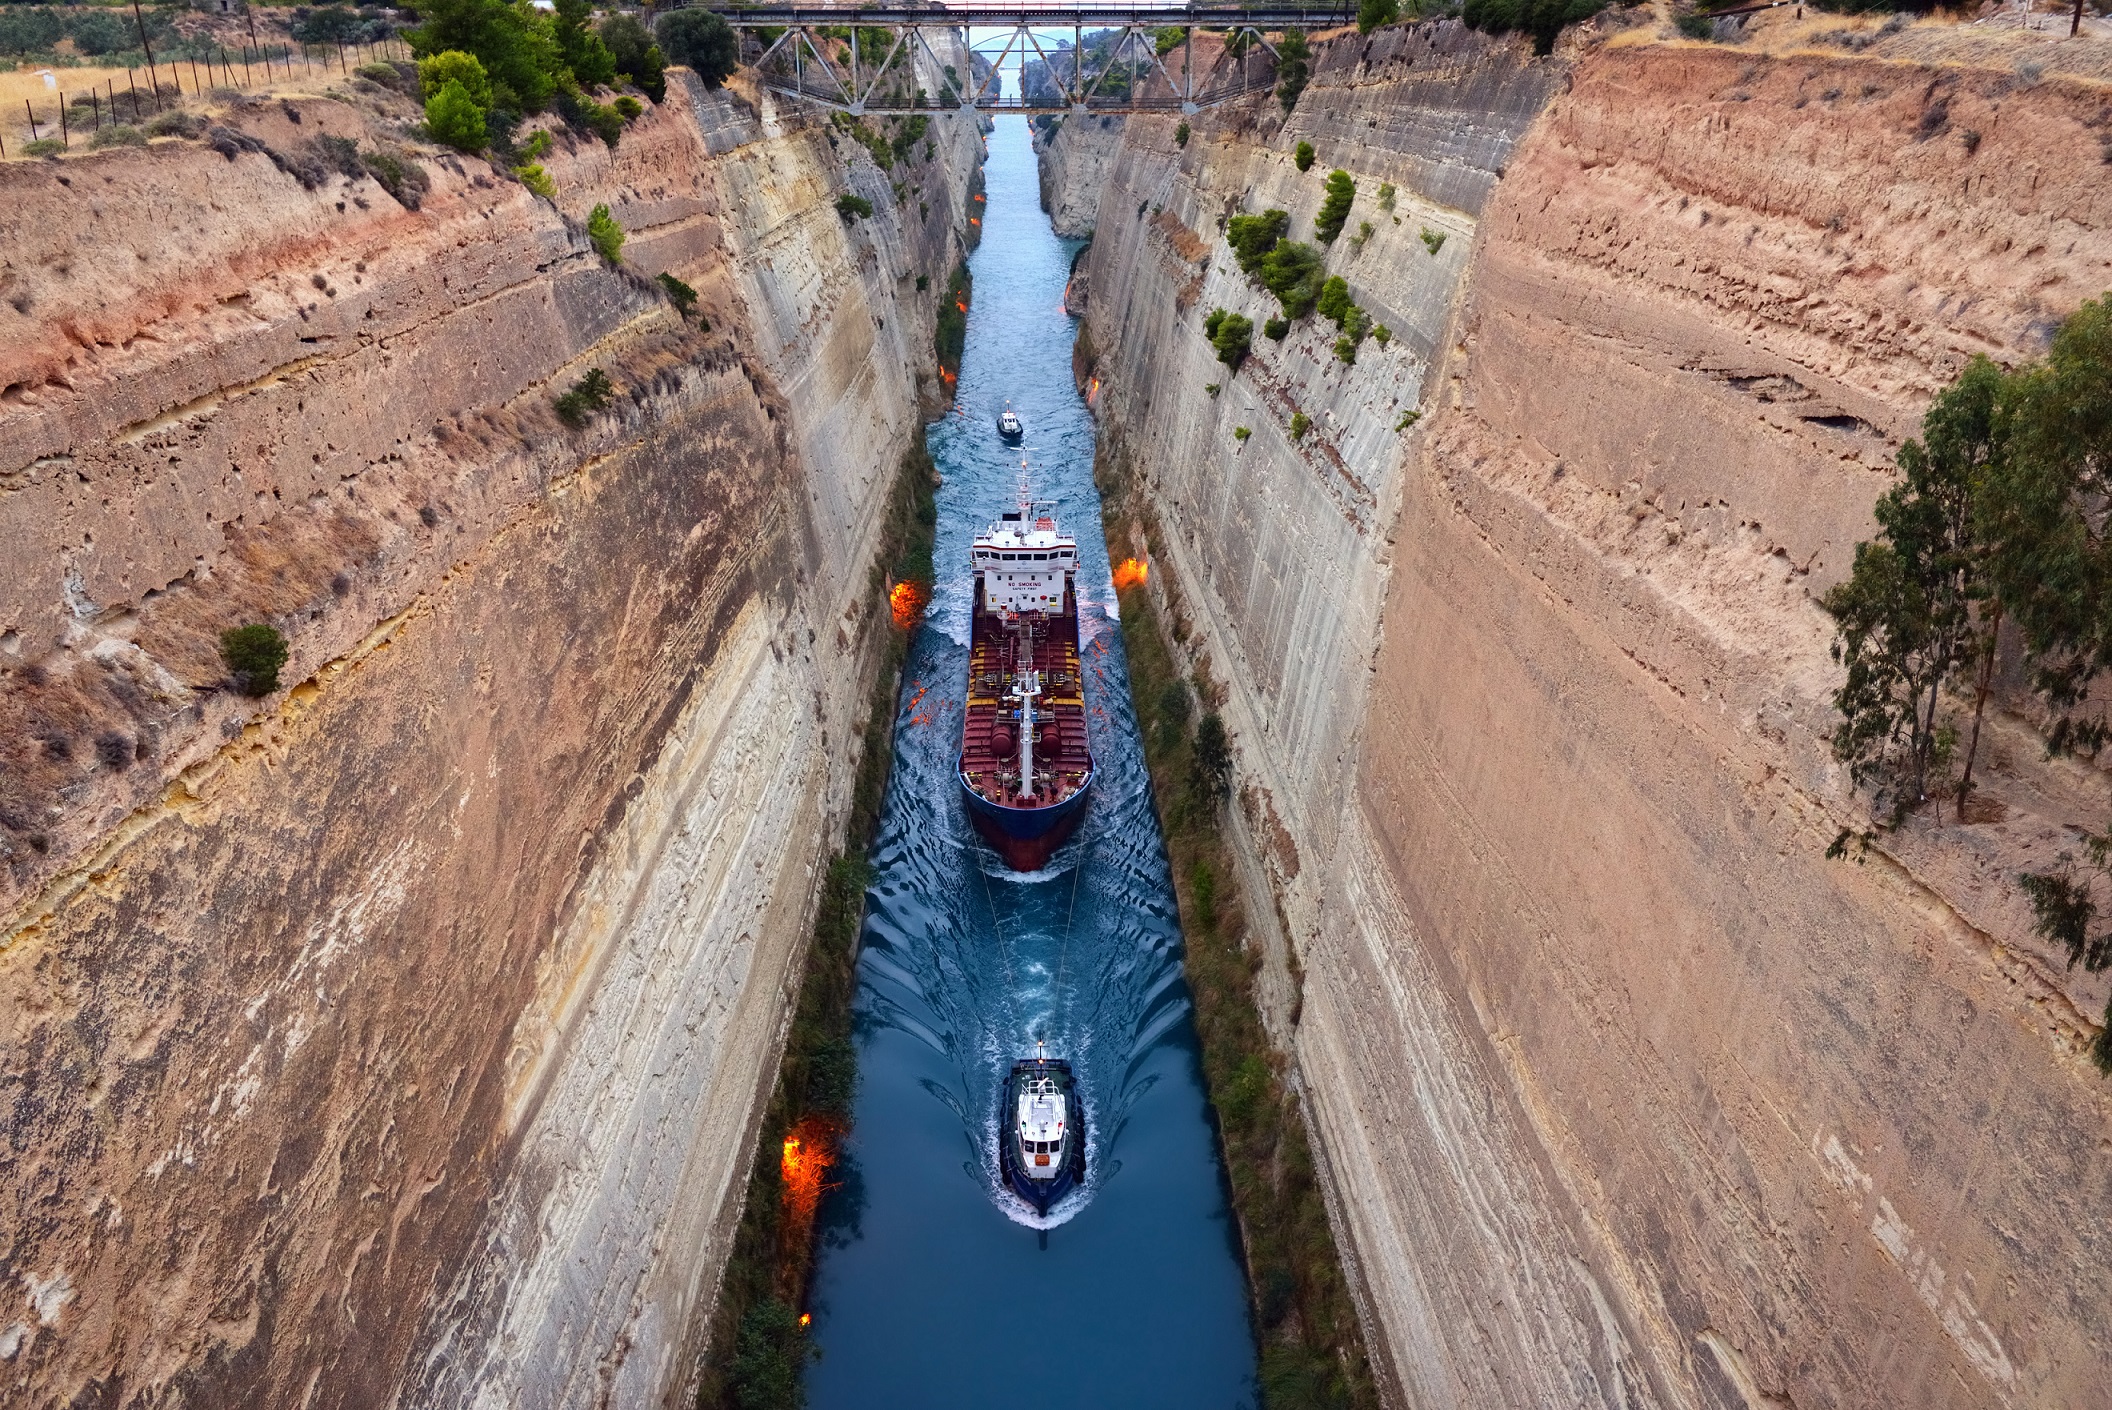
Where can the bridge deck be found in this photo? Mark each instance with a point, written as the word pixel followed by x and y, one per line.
pixel 1037 15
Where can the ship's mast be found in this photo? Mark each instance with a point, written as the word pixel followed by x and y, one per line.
pixel 1026 684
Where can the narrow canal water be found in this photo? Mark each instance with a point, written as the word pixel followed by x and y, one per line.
pixel 935 1286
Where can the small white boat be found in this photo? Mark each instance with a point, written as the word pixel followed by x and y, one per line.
pixel 1009 426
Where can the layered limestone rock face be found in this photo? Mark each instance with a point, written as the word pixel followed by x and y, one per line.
pixel 1628 1095
pixel 1075 165
pixel 400 1036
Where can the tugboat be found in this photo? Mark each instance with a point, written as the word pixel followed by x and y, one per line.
pixel 1041 1131
pixel 1025 767
pixel 1009 427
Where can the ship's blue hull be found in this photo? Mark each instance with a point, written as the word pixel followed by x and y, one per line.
pixel 1026 837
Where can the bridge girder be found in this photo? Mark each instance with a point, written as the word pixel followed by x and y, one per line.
pixel 816 77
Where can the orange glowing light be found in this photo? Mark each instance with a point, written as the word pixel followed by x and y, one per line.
pixel 806 1319
pixel 808 1153
pixel 907 602
pixel 961 304
pixel 1130 573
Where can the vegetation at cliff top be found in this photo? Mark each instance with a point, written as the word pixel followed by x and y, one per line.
pixel 1312 1352
pixel 700 41
pixel 525 61
pixel 1997 521
pixel 1293 68
pixel 1542 19
pixel 758 1348
pixel 1371 14
pixel 254 655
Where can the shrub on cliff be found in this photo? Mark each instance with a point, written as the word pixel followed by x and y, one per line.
pixel 1232 335
pixel 436 71
pixel 1302 156
pixel 1293 67
pixel 454 119
pixel 1276 329
pixel 1371 14
pixel 254 655
pixel 702 42
pixel 537 180
pixel 638 59
pixel 1334 210
pixel 1180 135
pixel 398 174
pixel 679 294
pixel 1253 236
pixel 851 206
pixel 1334 300
pixel 1294 273
pixel 589 394
pixel 605 235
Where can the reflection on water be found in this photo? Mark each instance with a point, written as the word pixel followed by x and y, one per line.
pixel 936 1287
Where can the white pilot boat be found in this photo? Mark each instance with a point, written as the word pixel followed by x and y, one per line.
pixel 1041 1132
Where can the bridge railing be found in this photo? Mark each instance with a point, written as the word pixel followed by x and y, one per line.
pixel 795 51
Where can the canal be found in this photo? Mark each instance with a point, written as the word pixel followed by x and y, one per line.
pixel 935 1287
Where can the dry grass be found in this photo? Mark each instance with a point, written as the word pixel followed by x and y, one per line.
pixel 18 86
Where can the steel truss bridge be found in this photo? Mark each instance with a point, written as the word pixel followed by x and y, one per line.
pixel 797 52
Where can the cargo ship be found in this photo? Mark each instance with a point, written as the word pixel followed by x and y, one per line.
pixel 1025 767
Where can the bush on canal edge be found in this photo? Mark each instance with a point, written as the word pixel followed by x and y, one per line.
pixel 759 1348
pixel 1312 1345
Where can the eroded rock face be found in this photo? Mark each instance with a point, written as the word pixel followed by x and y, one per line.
pixel 401 1035
pixel 1628 1095
pixel 1074 170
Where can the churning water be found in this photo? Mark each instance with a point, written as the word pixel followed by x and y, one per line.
pixel 936 1287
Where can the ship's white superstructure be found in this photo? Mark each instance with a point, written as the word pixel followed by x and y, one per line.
pixel 1024 560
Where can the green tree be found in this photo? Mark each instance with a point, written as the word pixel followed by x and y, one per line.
pixel 509 37
pixel 1294 273
pixel 254 655
pixel 1334 210
pixel 453 117
pixel 679 294
pixel 436 71
pixel 1334 301
pixel 592 65
pixel 702 42
pixel 2042 518
pixel 1253 236
pixel 1180 135
pixel 589 394
pixel 1302 154
pixel 1167 38
pixel 2065 909
pixel 1371 14
pixel 1906 614
pixel 1233 337
pixel 637 58
pixel 1293 68
pixel 605 235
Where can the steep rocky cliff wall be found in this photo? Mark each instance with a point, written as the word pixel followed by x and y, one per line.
pixel 1075 165
pixel 1629 1096
pixel 399 1036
